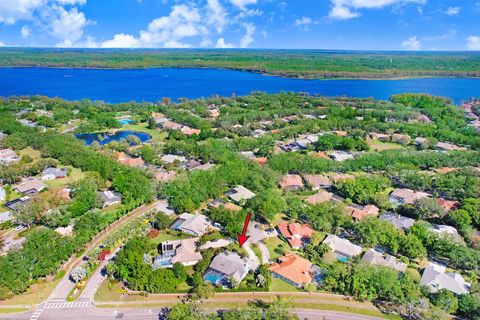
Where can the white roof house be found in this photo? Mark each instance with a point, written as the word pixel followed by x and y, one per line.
pixel 194 224
pixel 164 207
pixel 398 221
pixel 436 278
pixel 240 193
pixel 406 196
pixel 54 173
pixel 109 198
pixel 5 216
pixel 374 257
pixel 444 230
pixel 171 158
pixel 228 265
pixel 8 156
pixel 341 156
pixel 343 248
pixel 3 194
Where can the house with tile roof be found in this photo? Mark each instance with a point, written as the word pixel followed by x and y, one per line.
pixel 294 270
pixel 129 161
pixel 435 278
pixel 317 181
pixel 321 196
pixel 110 198
pixel 296 234
pixel 359 212
pixel 8 156
pixel 406 196
pixel 291 182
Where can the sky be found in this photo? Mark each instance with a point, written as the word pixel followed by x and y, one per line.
pixel 409 25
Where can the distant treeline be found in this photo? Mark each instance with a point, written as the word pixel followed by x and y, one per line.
pixel 289 63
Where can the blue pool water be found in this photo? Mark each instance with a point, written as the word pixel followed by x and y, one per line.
pixel 213 277
pixel 153 84
pixel 125 121
pixel 104 138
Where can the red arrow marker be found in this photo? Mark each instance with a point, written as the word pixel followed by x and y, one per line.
pixel 242 237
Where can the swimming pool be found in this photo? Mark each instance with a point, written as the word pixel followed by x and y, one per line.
pixel 125 121
pixel 213 278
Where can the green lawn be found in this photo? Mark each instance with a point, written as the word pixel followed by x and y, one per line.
pixel 381 146
pixel 74 175
pixel 282 286
pixel 142 127
pixel 167 235
pixel 273 243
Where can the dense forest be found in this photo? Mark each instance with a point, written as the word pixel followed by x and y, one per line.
pixel 290 63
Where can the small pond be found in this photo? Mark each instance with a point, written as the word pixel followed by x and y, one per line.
pixel 106 137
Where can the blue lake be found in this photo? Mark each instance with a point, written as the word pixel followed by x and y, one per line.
pixel 154 84
pixel 104 137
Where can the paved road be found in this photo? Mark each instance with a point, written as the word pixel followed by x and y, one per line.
pixel 88 312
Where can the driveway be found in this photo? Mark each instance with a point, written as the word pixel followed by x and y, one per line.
pixel 265 253
pixel 254 261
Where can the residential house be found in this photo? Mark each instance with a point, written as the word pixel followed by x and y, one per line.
pixel 445 146
pixel 380 136
pixel 159 118
pixel 164 207
pixel 321 196
pixel 30 186
pixel 436 278
pixel 191 164
pixel 213 113
pixel 258 133
pixel 228 267
pixel 5 216
pixel 3 194
pixel 445 230
pixel 217 203
pixel 186 130
pixel 291 182
pixel 317 181
pixel 406 196
pixel 401 138
pixel 16 203
pixel 373 257
pixel 164 176
pixel 54 173
pixel 296 234
pixel 290 147
pixel 194 224
pixel 8 156
pixel 341 156
pixel 170 125
pixel 171 158
pixel 320 154
pixel 248 154
pixel 342 248
pixel 294 270
pixel 421 142
pixel 129 161
pixel 110 198
pixel 398 221
pixel 240 194
pixel 177 251
pixel 359 212
pixel 204 167
pixel 447 205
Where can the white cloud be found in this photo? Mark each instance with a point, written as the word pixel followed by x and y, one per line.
pixel 216 15
pixel 242 3
pixel 348 9
pixel 247 38
pixel 13 10
pixel 473 43
pixel 72 2
pixel 453 11
pixel 25 31
pixel 68 25
pixel 221 44
pixel 412 44
pixel 121 40
pixel 303 21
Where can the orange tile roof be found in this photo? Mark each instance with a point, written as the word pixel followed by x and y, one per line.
pixel 294 268
pixel 320 197
pixel 295 233
pixel 447 204
pixel 321 154
pixel 360 213
pixel 261 161
pixel 291 181
pixel 129 161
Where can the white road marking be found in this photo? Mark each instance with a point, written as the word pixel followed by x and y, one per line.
pixel 67 305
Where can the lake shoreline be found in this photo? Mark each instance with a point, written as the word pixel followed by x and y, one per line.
pixel 260 72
